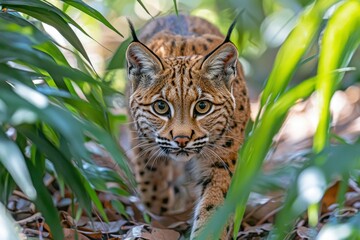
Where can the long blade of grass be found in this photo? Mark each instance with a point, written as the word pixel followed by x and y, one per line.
pixel 340 40
pixel 293 49
pixel 91 12
pixel 176 7
pixel 143 6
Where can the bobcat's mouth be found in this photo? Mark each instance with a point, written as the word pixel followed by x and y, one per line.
pixel 181 154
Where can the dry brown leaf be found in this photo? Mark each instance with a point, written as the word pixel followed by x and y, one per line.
pixel 262 208
pixel 331 195
pixel 66 219
pixel 91 233
pixel 148 233
pixel 306 233
pixel 71 234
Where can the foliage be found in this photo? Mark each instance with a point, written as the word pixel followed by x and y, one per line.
pixel 49 109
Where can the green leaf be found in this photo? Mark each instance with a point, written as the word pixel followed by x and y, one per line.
pixel 44 203
pixel 18 20
pixel 293 49
pixel 113 148
pixel 21 49
pixel 53 51
pixel 91 12
pixel 176 8
pixel 9 231
pixel 143 6
pixel 340 40
pixel 63 166
pixel 72 129
pixel 105 174
pixel 7 185
pixel 118 60
pixel 8 73
pixel 13 160
pixel 52 16
pixel 120 208
pixel 35 105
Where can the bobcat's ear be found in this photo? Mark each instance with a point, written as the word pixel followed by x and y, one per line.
pixel 221 62
pixel 141 61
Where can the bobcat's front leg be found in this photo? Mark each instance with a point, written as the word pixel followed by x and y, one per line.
pixel 213 186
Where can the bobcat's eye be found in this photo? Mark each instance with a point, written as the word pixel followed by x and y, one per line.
pixel 202 107
pixel 161 107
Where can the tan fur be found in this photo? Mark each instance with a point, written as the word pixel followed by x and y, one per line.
pixel 181 76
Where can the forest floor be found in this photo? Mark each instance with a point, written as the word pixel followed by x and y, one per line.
pixel 291 147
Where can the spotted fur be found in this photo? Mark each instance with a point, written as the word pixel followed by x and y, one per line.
pixel 183 155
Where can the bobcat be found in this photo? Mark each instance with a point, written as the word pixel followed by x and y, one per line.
pixel 189 106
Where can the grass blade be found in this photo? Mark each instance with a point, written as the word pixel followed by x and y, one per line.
pixel 340 40
pixel 91 12
pixel 176 7
pixel 292 51
pixel 143 6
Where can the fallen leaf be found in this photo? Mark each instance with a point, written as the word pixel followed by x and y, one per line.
pixel 71 234
pixel 306 233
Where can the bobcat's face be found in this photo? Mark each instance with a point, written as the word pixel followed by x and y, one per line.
pixel 181 105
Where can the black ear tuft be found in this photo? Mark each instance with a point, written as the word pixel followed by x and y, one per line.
pixel 135 39
pixel 228 35
pixel 231 28
pixel 132 30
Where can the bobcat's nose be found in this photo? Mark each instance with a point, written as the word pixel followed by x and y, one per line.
pixel 181 140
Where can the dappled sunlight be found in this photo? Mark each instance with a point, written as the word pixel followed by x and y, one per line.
pixel 34 97
pixel 23 115
pixel 311 185
pixel 335 232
